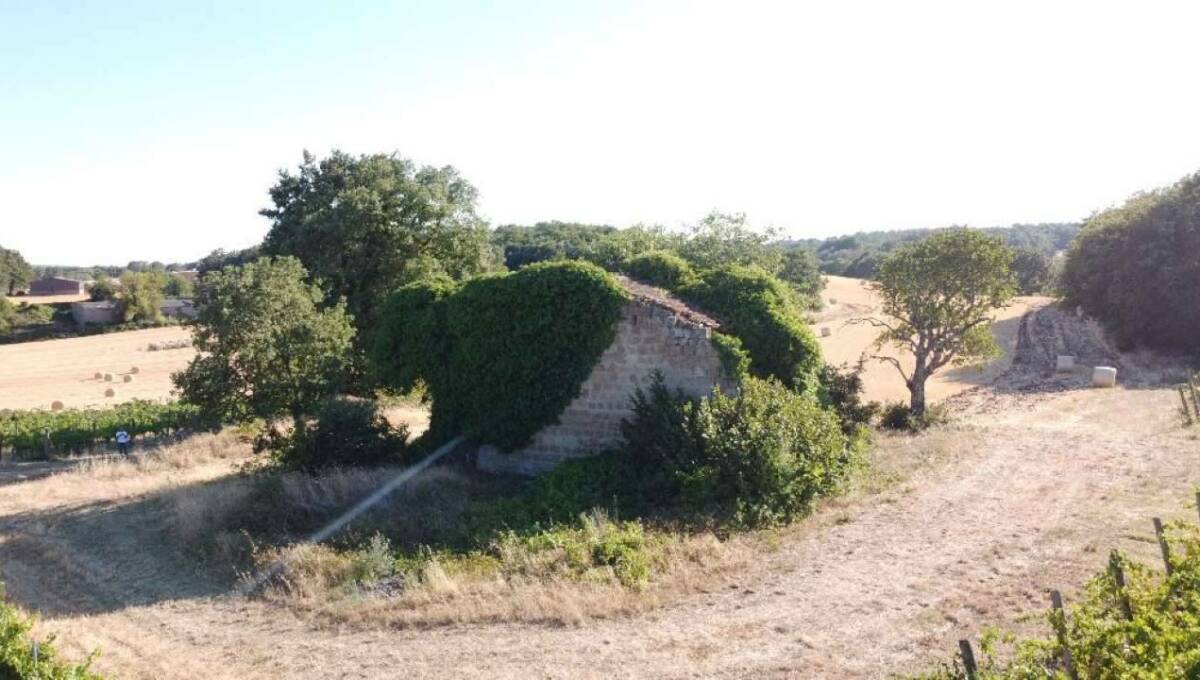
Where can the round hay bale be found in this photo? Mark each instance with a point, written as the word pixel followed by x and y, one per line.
pixel 108 377
pixel 825 332
pixel 833 301
pixel 110 392
pixel 127 378
pixel 98 375
pixel 56 406
pixel 135 370
pixel 152 347
pixel 1104 376
pixel 1064 364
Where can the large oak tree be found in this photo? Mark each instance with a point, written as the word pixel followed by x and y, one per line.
pixel 365 225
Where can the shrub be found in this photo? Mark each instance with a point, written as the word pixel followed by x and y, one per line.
pixel 756 458
pixel 345 433
pixel 660 268
pixel 1135 268
pixel 768 453
pixel 767 317
pixel 588 549
pixel 842 391
pixel 16 652
pixel 502 355
pixel 897 415
pixel 1160 640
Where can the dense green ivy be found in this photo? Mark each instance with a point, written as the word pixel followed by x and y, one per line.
pixel 75 429
pixel 766 315
pixel 660 268
pixel 501 355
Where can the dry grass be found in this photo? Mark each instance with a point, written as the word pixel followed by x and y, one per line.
pixel 517 584
pixel 881 382
pixel 35 374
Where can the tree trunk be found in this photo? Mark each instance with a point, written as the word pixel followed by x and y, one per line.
pixel 916 388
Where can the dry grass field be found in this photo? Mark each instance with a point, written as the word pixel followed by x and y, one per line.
pixel 961 527
pixel 46 299
pixel 847 343
pixel 35 374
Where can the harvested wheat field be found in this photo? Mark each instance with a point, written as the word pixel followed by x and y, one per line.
pixel 36 374
pixel 46 299
pixel 847 342
pixel 961 527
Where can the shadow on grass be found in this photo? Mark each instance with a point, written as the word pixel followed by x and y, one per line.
pixel 191 541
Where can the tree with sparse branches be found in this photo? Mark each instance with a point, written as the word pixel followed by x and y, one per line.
pixel 938 298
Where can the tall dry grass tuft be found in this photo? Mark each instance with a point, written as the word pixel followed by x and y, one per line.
pixel 147 471
pixel 537 579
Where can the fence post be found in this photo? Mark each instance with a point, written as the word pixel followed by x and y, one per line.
pixel 34 651
pixel 968 659
pixel 1162 544
pixel 1187 412
pixel 1198 501
pixel 1068 663
pixel 1114 559
pixel 1195 396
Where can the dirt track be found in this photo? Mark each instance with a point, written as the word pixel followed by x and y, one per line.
pixel 1028 490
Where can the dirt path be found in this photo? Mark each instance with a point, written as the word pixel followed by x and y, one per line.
pixel 1026 491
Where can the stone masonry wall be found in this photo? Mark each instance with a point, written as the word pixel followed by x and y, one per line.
pixel 649 337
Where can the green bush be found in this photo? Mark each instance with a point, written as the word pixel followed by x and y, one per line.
pixel 841 390
pixel 1160 640
pixel 897 415
pixel 767 316
pixel 1135 268
pixel 756 458
pixel 75 429
pixel 16 653
pixel 502 355
pixel 345 433
pixel 660 268
pixel 767 453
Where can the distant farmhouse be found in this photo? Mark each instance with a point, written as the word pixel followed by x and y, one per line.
pixel 109 312
pixel 53 285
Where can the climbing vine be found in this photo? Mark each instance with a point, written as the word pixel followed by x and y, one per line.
pixel 501 355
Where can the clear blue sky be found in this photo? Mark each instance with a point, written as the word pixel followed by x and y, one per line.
pixel 151 130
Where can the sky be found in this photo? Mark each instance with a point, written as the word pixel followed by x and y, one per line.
pixel 152 130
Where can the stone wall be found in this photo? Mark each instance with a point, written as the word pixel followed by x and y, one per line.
pixel 650 337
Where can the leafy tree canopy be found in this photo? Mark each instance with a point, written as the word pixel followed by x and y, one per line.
pixel 366 225
pixel 15 272
pixel 723 239
pixel 141 295
pixel 938 297
pixel 1136 269
pixel 267 347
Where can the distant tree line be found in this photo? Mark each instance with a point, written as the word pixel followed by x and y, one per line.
pixel 1036 246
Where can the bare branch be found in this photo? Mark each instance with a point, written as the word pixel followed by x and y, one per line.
pixel 895 362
